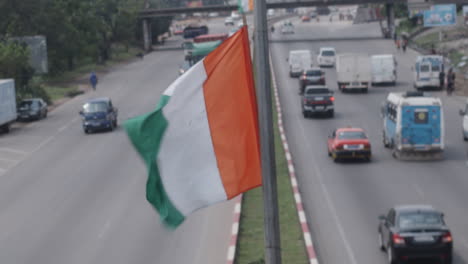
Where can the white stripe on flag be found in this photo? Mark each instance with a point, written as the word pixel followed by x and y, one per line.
pixel 188 163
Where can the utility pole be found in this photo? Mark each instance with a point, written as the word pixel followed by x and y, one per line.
pixel 146 30
pixel 267 143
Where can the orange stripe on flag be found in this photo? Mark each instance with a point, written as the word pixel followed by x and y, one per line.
pixel 232 114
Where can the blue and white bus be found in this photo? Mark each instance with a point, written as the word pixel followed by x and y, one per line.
pixel 413 125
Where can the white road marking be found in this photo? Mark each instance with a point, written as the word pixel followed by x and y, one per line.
pixel 313 261
pixel 104 229
pixel 419 190
pixel 237 208
pixel 349 251
pixel 231 252
pixel 297 197
pixel 14 151
pixel 308 240
pixel 8 160
pixel 234 228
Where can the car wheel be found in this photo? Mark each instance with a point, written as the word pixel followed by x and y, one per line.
pixel 331 113
pixel 465 138
pixel 45 113
pixel 384 140
pixel 86 131
pixel 305 114
pixel 365 90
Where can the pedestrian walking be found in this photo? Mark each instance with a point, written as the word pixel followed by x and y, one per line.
pixel 398 44
pixel 93 80
pixel 405 43
pixel 450 81
pixel 442 79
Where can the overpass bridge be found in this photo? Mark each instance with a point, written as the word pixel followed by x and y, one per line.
pixel 275 4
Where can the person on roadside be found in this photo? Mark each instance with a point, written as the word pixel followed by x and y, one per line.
pixel 405 43
pixel 450 81
pixel 398 44
pixel 442 79
pixel 433 51
pixel 93 80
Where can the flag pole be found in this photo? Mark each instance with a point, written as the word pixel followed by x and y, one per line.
pixel 267 143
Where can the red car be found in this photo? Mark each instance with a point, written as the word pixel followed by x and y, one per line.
pixel 349 143
pixel 305 18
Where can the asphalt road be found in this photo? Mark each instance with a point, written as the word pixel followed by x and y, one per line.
pixel 67 197
pixel 343 200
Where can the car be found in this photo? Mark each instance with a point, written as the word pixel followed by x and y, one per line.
pixel 287 28
pixel 410 232
pixel 305 18
pixel 349 143
pixel 213 14
pixel 464 114
pixel 317 99
pixel 32 109
pixel 326 57
pixel 313 14
pixel 311 76
pixel 99 114
pixel 229 21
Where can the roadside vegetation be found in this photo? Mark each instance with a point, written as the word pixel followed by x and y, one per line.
pixel 81 36
pixel 250 245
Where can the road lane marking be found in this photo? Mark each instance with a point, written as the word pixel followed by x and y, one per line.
pixel 331 207
pixel 8 160
pixel 419 190
pixel 14 151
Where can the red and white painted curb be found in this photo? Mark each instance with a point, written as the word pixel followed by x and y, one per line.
pixel 234 230
pixel 292 175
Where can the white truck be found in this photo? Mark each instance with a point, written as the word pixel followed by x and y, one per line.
pixel 7 104
pixel 353 72
pixel 384 69
pixel 299 60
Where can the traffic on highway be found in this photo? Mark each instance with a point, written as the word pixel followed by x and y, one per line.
pixel 380 151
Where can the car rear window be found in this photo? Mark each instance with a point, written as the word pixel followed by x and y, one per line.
pixel 351 135
pixel 328 53
pixel 314 73
pixel 419 219
pixel 424 68
pixel 317 91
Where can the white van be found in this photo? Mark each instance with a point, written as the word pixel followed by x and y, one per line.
pixel 326 57
pixel 426 71
pixel 464 113
pixel 353 72
pixel 384 69
pixel 298 61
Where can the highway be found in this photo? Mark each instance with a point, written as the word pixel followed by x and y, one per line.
pixel 67 197
pixel 343 200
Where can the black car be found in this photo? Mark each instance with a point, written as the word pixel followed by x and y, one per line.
pixel 310 77
pixel 415 232
pixel 99 114
pixel 317 100
pixel 32 109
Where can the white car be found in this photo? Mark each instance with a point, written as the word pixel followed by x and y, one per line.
pixel 287 28
pixel 464 113
pixel 326 57
pixel 229 21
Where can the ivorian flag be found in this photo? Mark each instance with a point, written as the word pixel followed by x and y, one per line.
pixel 201 143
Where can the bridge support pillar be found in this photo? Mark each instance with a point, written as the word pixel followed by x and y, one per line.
pixel 147 40
pixel 390 8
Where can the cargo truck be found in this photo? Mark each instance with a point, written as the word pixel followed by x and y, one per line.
pixel 353 72
pixel 7 104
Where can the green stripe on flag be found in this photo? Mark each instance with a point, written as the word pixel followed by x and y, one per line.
pixel 241 8
pixel 145 133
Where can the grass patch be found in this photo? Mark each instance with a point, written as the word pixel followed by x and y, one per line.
pixel 406 26
pixel 455 57
pixel 55 93
pixel 250 248
pixel 428 40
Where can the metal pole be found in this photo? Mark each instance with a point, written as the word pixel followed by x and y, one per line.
pixel 146 30
pixel 267 144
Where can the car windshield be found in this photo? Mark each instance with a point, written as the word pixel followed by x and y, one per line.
pixel 352 135
pixel 328 53
pixel 419 219
pixel 317 91
pixel 28 104
pixel 95 107
pixel 314 73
